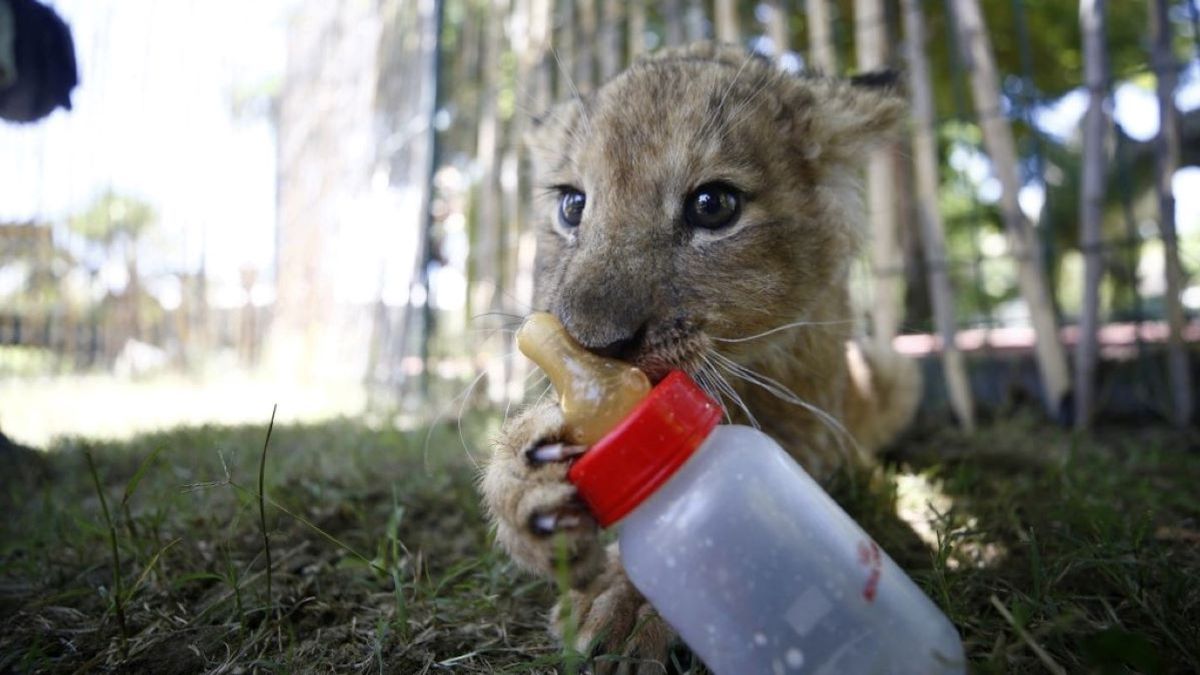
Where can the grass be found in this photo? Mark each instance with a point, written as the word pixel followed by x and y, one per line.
pixel 1050 552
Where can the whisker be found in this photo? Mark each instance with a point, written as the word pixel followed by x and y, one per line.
pixel 442 413
pixel 780 391
pixel 743 107
pixel 543 394
pixel 706 382
pixel 526 385
pixel 716 113
pixel 772 331
pixel 574 91
pixel 728 389
pixel 503 315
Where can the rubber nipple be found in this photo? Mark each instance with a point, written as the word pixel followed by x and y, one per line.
pixel 595 393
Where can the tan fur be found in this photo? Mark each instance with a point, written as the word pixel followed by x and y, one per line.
pixel 637 148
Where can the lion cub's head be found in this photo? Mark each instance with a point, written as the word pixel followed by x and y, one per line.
pixel 701 194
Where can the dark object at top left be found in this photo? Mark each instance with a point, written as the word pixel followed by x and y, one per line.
pixel 37 61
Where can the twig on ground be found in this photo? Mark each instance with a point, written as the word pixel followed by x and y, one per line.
pixel 1042 654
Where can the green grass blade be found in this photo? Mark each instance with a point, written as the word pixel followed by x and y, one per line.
pixel 132 485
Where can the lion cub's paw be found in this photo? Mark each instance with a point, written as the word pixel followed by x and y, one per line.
pixel 539 517
pixel 612 623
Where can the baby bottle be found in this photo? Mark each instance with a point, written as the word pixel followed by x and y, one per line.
pixel 738 549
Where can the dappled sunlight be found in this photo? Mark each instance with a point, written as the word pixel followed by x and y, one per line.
pixel 923 504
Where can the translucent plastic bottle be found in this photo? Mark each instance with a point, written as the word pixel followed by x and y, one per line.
pixel 755 566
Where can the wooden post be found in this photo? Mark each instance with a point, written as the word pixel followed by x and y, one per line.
pixel 693 22
pixel 777 28
pixel 673 22
pixel 725 15
pixel 610 40
pixel 1091 205
pixel 870 43
pixel 564 54
pixel 585 45
pixel 485 250
pixel 998 141
pixel 635 41
pixel 932 229
pixel 821 53
pixel 1166 151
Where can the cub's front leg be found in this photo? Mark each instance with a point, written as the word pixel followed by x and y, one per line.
pixel 538 516
pixel 532 504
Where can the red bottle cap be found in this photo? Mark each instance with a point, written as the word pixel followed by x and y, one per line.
pixel 644 450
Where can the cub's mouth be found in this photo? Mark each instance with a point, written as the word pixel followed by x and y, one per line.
pixel 657 358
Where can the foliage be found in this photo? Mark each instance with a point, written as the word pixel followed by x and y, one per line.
pixel 113 217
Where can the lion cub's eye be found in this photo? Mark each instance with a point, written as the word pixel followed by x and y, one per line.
pixel 712 206
pixel 570 207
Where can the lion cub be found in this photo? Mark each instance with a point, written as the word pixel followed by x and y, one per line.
pixel 700 212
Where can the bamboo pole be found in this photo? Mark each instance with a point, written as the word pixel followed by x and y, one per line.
pixel 725 15
pixel 541 33
pixel 932 228
pixel 673 22
pixel 693 22
pixel 610 40
pixel 998 141
pixel 1091 205
pixel 635 41
pixel 585 45
pixel 777 28
pixel 821 54
pixel 485 253
pixel 1166 150
pixel 870 43
pixel 564 56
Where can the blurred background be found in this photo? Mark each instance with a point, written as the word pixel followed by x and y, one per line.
pixel 325 204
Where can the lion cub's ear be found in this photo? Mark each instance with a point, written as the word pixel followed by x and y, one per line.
pixel 842 119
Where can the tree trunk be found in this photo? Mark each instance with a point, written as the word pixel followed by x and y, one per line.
pixel 510 172
pixel 1091 205
pixel 485 254
pixel 725 12
pixel 777 28
pixel 998 141
pixel 636 38
pixel 887 303
pixel 466 67
pixel 1166 150
pixel 531 41
pixel 932 229
pixel 325 141
pixel 821 53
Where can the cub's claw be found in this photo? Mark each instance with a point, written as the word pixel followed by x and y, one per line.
pixel 536 510
pixel 564 518
pixel 553 452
